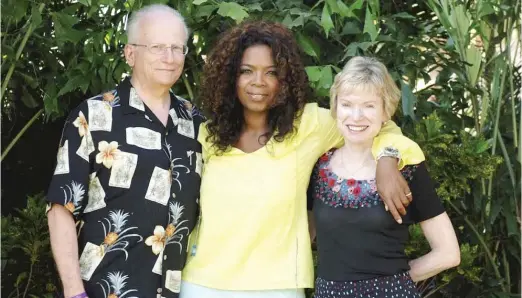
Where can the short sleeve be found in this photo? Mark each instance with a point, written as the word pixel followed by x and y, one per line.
pixel 425 204
pixel 202 139
pixel 70 182
pixel 319 122
pixel 391 136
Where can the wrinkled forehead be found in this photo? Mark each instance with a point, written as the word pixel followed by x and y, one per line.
pixel 162 28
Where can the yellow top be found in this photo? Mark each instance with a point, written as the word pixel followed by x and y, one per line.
pixel 253 233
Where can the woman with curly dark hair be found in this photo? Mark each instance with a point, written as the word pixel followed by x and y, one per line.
pixel 259 148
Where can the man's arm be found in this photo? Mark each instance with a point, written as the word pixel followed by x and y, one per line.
pixel 67 197
pixel 64 244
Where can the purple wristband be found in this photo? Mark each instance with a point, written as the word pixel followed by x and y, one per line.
pixel 82 295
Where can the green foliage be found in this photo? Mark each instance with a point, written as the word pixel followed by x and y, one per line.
pixel 454 160
pixel 27 251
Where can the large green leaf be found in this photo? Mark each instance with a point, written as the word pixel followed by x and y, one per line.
pixel 72 84
pixel 326 78
pixel 232 10
pixel 346 11
pixel 36 16
pixel 326 20
pixel 63 25
pixel 308 45
pixel 298 22
pixel 369 25
pixel 408 100
pixel 314 73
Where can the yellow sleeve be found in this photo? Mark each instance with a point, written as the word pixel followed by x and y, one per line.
pixel 202 139
pixel 391 136
pixel 324 126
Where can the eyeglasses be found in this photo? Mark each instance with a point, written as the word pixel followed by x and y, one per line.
pixel 159 49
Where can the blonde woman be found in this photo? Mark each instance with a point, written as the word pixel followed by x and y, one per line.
pixel 360 246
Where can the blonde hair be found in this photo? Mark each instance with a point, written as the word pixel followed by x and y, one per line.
pixel 367 74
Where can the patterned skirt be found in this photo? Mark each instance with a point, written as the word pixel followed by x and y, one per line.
pixel 395 286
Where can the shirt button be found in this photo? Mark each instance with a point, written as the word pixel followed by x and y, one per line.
pixel 164 257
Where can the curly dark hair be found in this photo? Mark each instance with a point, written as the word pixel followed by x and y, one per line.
pixel 218 88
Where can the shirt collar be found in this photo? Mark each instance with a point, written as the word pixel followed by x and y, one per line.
pixel 131 102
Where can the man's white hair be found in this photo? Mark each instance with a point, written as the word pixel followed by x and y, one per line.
pixel 136 17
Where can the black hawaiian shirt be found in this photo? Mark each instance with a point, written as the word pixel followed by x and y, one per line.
pixel 132 185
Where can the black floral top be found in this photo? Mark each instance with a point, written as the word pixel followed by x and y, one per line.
pixel 132 185
pixel 357 239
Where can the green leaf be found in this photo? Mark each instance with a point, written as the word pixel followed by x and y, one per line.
pixel 17 10
pixel 351 28
pixel 403 15
pixel 64 20
pixel 29 80
pixel 332 4
pixel 326 78
pixel 326 20
pixel 511 222
pixel 72 84
pixel 408 100
pixel 484 8
pixel 205 11
pixel 314 73
pixel 482 146
pixel 298 22
pixel 296 11
pixel 495 210
pixel 369 26
pixel 254 7
pixel 28 99
pixel 351 50
pixel 287 21
pixel 307 45
pixel 85 2
pixel 375 6
pixel 233 10
pixel 63 24
pixel 346 11
pixel 36 16
pixel 199 2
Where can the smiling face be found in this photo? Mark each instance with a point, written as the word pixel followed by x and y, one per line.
pixel 360 115
pixel 257 84
pixel 157 70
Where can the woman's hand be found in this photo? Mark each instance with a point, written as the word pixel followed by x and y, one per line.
pixel 392 187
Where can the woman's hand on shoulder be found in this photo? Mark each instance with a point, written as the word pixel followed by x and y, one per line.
pixel 392 187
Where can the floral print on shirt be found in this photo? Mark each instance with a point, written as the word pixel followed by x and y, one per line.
pixel 132 186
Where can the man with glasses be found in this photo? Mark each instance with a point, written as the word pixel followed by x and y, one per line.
pixel 123 198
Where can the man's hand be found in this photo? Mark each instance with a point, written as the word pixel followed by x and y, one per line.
pixel 392 187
